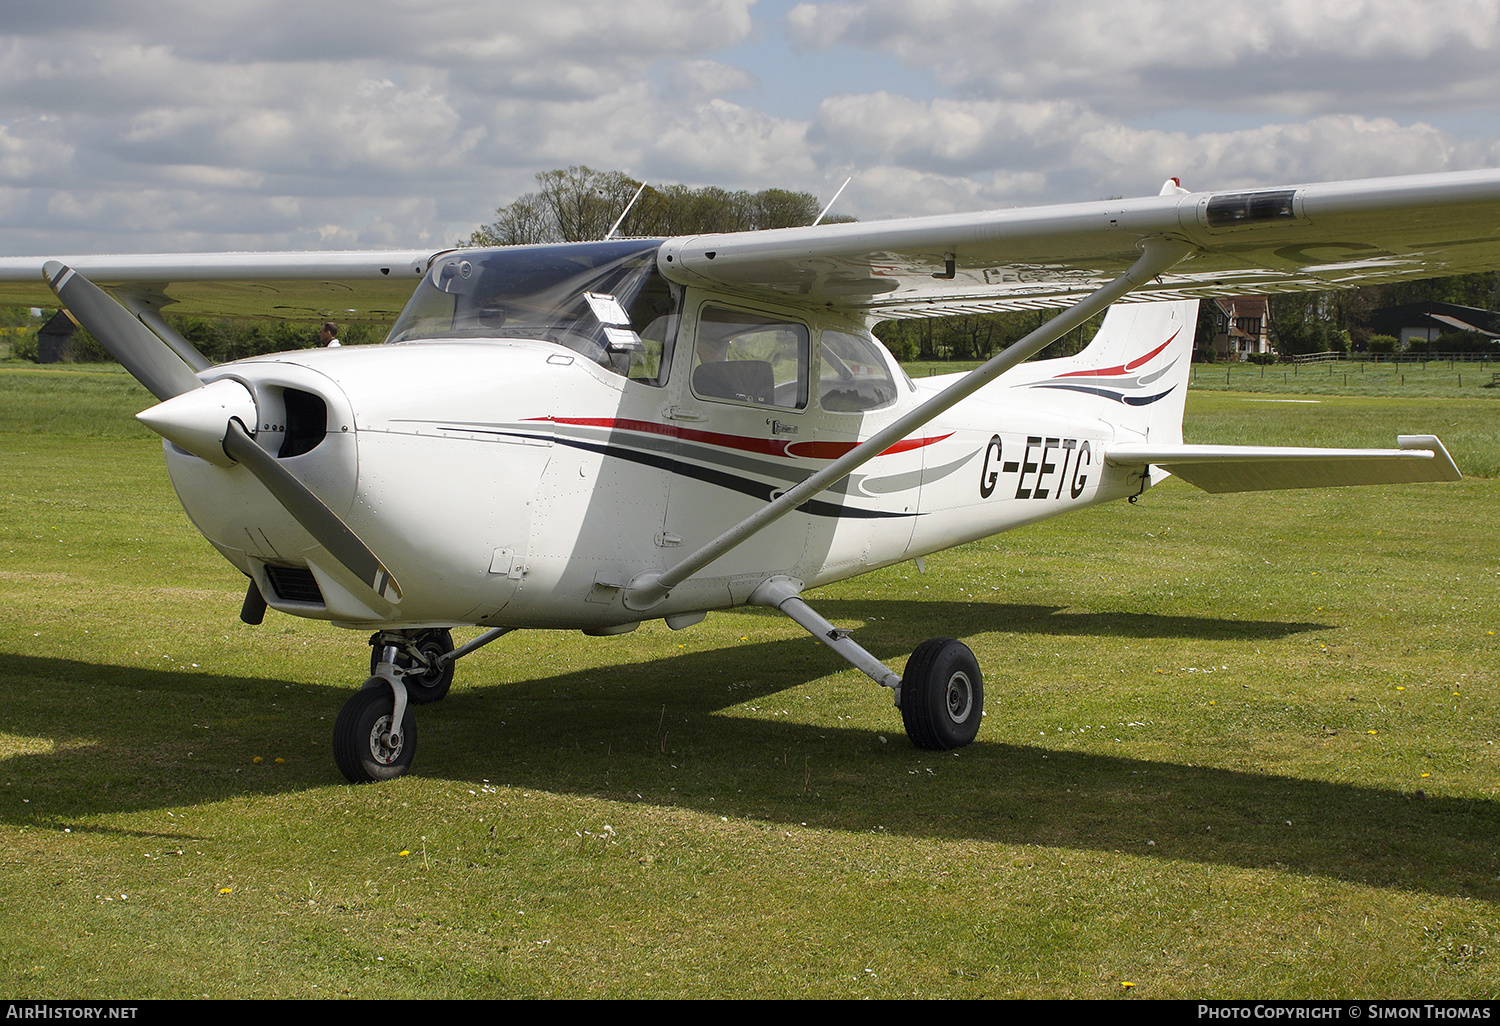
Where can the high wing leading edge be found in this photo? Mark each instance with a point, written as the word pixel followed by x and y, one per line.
pixel 286 286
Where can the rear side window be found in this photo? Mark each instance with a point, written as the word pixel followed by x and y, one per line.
pixel 855 376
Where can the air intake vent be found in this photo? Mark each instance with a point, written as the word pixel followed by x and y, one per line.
pixel 294 584
pixel 306 422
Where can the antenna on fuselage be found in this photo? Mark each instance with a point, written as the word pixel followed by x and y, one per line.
pixel 832 201
pixel 621 219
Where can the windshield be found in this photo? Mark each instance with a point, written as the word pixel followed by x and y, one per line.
pixel 603 300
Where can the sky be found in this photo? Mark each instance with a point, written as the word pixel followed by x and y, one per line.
pixel 168 125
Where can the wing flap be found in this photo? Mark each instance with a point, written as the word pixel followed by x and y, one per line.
pixel 1249 468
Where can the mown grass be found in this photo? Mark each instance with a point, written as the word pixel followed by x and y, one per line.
pixel 1450 379
pixel 1236 746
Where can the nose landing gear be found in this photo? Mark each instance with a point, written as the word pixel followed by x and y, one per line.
pixel 375 735
pixel 371 740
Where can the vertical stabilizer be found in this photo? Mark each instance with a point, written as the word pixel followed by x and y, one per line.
pixel 1133 374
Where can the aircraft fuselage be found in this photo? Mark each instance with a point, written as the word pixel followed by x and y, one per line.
pixel 540 483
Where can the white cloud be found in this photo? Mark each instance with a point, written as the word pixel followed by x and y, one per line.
pixel 722 142
pixel 698 80
pixel 1292 56
pixel 28 151
pixel 159 124
pixel 1027 151
pixel 950 136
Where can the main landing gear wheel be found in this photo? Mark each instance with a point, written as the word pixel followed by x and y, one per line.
pixel 942 695
pixel 364 746
pixel 424 683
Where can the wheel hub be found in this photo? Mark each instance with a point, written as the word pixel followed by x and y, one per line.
pixel 959 696
pixel 385 746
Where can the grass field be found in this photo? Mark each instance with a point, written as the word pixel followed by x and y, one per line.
pixel 1412 380
pixel 1235 746
pixel 1436 378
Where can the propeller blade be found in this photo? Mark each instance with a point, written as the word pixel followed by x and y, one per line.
pixel 143 354
pixel 308 510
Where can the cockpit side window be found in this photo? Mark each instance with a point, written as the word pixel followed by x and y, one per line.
pixel 751 358
pixel 604 300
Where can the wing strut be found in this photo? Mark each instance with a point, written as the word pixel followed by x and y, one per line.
pixel 1157 256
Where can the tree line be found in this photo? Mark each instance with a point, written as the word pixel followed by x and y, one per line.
pixel 580 204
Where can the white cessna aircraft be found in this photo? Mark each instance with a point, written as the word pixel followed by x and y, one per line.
pixel 587 436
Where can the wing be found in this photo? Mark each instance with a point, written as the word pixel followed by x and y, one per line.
pixel 288 286
pixel 1303 237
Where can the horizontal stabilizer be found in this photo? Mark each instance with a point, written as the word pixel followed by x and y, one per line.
pixel 1251 468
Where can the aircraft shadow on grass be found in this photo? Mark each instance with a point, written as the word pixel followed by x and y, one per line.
pixel 703 730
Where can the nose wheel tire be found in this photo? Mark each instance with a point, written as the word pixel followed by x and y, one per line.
pixel 424 684
pixel 364 745
pixel 942 695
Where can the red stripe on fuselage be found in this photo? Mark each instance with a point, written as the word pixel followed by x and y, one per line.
pixel 833 450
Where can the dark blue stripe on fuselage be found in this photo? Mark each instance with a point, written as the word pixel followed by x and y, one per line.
pixel 1119 397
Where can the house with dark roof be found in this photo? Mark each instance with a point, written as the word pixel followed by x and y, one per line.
pixel 1240 327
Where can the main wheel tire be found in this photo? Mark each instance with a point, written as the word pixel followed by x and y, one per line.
pixel 432 683
pixel 362 742
pixel 942 695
